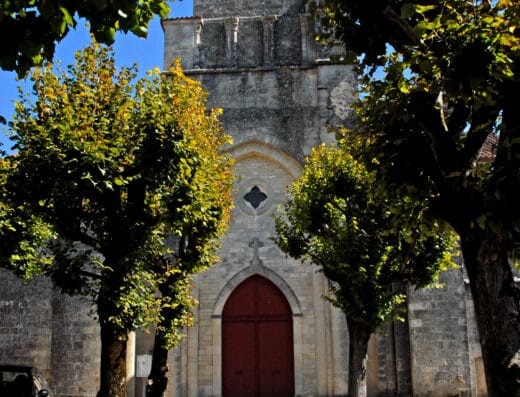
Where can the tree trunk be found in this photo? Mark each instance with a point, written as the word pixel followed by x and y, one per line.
pixel 497 311
pixel 158 378
pixel 357 359
pixel 113 350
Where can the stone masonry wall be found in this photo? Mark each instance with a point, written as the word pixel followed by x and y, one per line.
pixel 439 339
pixel 25 322
pixel 75 347
pixel 243 42
pixel 246 7
pixel 41 327
pixel 278 107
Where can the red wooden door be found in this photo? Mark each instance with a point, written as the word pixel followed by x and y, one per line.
pixel 257 342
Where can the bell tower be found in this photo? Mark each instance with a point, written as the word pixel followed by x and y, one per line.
pixel 278 89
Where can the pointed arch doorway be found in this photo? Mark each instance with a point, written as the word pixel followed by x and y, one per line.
pixel 257 342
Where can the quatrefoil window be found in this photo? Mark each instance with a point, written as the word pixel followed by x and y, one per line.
pixel 255 197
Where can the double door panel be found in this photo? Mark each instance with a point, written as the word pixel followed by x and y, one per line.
pixel 257 342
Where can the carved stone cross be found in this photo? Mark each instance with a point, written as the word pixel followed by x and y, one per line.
pixel 256 244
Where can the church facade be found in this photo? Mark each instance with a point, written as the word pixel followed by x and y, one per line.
pixel 262 326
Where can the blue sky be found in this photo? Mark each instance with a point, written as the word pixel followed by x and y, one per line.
pixel 129 49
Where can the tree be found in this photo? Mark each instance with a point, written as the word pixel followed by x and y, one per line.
pixel 333 219
pixel 118 170
pixel 199 229
pixel 34 27
pixel 442 119
pixel 173 317
pixel 21 235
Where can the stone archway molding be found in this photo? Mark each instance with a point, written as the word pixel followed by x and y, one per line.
pixel 244 274
pixel 269 152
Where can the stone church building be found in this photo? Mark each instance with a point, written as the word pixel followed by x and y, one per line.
pixel 262 327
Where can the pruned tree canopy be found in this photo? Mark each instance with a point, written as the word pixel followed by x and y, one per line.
pixel 334 219
pixel 130 180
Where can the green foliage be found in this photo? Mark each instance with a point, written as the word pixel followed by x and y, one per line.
pixel 130 179
pixel 438 85
pixel 34 27
pixel 22 238
pixel 335 219
pixel 438 116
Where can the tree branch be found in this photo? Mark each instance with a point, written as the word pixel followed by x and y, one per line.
pixel 396 20
pixel 94 276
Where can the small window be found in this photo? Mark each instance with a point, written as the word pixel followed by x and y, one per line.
pixel 255 197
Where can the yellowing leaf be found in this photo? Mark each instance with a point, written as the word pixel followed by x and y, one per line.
pixel 421 9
